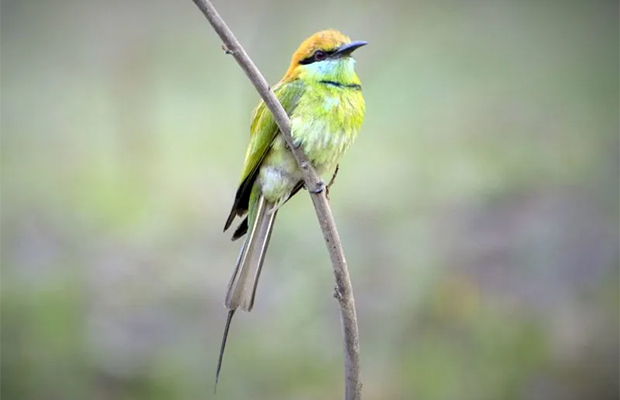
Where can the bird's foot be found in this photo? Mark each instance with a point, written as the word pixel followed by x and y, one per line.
pixel 227 50
pixel 320 186
pixel 337 294
pixel 296 144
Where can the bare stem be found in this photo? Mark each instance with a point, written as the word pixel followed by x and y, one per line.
pixel 331 181
pixel 344 290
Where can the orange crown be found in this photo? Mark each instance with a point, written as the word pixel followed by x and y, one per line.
pixel 327 40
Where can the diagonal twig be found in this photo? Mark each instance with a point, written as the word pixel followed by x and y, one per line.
pixel 353 385
pixel 331 181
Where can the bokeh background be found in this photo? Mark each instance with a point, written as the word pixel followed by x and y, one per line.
pixel 478 208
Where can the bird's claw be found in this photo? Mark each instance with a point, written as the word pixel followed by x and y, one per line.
pixel 337 294
pixel 320 186
pixel 227 50
pixel 297 143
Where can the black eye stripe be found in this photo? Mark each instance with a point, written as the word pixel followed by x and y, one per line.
pixel 311 59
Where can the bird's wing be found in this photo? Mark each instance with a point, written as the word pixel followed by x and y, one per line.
pixel 263 131
pixel 242 228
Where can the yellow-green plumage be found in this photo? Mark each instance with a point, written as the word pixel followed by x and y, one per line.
pixel 322 95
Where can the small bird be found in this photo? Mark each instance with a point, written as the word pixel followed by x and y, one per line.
pixel 322 95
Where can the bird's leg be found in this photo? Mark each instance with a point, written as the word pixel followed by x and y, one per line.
pixel 320 186
pixel 296 144
pixel 227 50
pixel 337 293
pixel 331 181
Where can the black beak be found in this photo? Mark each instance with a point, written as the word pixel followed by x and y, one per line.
pixel 347 49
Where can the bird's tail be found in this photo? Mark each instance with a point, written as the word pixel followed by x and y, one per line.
pixel 242 285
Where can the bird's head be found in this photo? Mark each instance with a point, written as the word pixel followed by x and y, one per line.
pixel 326 55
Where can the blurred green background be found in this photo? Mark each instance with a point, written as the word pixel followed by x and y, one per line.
pixel 478 208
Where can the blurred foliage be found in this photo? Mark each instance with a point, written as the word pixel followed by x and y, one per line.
pixel 478 209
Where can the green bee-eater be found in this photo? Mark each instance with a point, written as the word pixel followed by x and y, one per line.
pixel 322 95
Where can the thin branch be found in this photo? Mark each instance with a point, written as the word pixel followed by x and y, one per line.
pixel 331 181
pixel 344 290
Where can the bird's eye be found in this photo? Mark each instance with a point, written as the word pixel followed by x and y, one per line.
pixel 320 55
